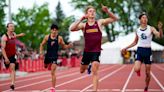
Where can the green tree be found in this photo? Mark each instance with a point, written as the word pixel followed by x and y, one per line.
pixel 63 22
pixel 34 23
pixel 2 16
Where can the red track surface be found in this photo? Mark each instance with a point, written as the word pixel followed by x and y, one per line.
pixel 112 78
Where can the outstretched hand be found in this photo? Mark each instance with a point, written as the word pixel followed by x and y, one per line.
pixel 7 61
pixel 104 8
pixel 160 25
pixel 21 34
pixel 123 51
pixel 41 56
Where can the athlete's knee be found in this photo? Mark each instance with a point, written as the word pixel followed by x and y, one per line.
pixel 12 67
pixel 95 72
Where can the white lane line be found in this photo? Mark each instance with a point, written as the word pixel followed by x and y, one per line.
pixel 37 73
pixel 67 75
pixel 47 74
pixel 141 90
pixel 158 82
pixel 32 78
pixel 45 81
pixel 108 75
pixel 28 75
pixel 127 81
pixel 80 78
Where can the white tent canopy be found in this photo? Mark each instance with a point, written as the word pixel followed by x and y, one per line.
pixel 111 50
pixel 124 41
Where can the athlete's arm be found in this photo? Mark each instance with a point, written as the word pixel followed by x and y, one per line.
pixel 78 25
pixel 62 43
pixel 131 45
pixel 20 35
pixel 3 45
pixel 156 33
pixel 110 19
pixel 43 43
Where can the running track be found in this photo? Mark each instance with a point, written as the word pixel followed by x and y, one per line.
pixel 112 78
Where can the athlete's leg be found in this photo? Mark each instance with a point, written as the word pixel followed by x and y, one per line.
pixel 12 75
pixel 53 70
pixel 148 76
pixel 47 63
pixel 95 67
pixel 137 67
pixel 83 68
pixel 85 62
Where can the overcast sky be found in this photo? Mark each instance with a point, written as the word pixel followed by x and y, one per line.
pixel 66 6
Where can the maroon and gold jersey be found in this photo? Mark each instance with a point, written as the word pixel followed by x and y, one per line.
pixel 92 36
